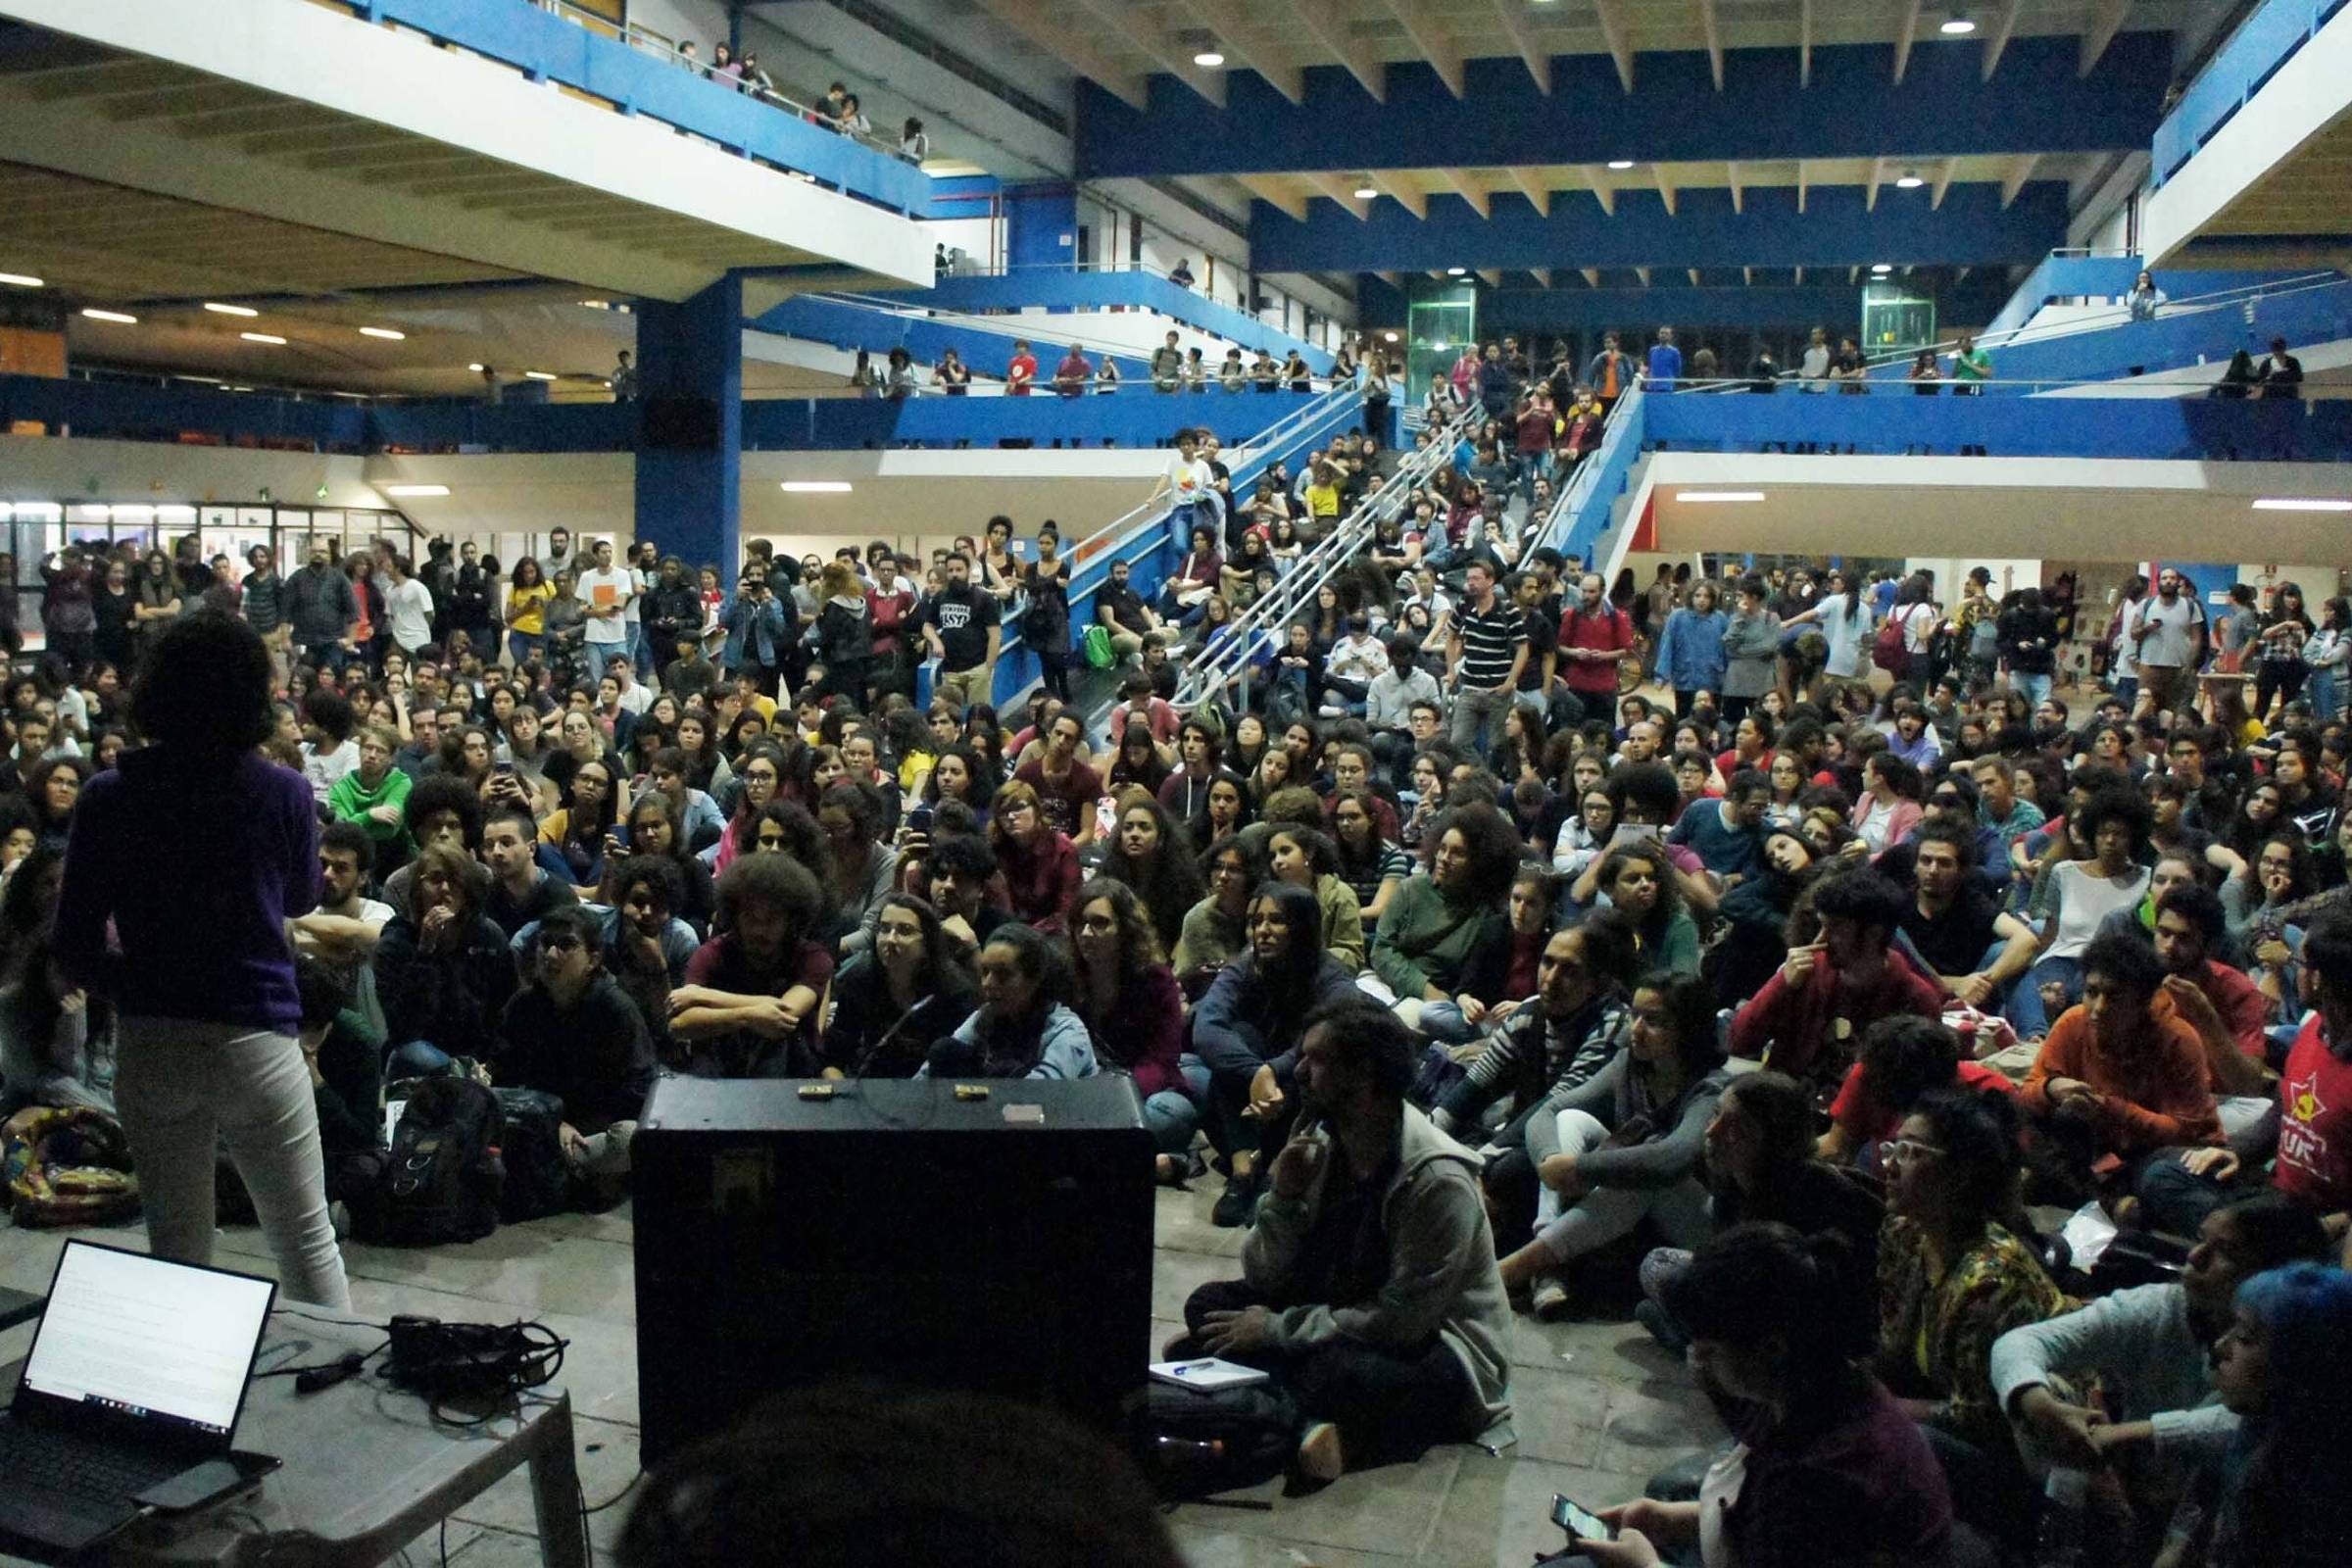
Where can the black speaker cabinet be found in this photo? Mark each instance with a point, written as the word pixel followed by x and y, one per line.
pixel 890 1234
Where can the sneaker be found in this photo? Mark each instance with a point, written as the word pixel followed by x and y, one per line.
pixel 1236 1203
pixel 1549 1299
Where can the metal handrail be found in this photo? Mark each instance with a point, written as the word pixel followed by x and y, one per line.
pixel 1208 671
pixel 1579 489
pixel 2187 305
pixel 995 325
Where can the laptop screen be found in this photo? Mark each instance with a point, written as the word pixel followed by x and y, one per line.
pixel 154 1340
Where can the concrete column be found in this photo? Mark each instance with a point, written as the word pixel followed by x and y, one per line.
pixel 690 426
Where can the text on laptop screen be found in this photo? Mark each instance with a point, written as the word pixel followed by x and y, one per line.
pixel 148 1338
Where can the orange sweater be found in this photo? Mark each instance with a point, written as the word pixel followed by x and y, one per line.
pixel 2153 1092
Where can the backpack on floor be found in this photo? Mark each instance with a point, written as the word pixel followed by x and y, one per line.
pixel 443 1178
pixel 67 1165
pixel 1100 652
pixel 538 1175
pixel 1198 1444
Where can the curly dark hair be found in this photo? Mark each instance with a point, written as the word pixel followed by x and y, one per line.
pixel 203 690
pixel 1169 884
pixel 1139 944
pixel 2125 805
pixel 1494 847
pixel 441 792
pixel 781 882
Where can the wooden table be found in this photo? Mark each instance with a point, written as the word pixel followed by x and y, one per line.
pixel 366 1468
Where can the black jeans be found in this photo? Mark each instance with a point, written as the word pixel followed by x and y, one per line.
pixel 1054 670
pixel 2277 678
pixel 1388 1404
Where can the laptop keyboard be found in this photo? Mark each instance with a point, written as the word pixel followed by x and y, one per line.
pixel 59 1462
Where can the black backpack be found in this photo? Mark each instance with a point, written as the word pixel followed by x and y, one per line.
pixel 1197 1443
pixel 538 1175
pixel 442 1181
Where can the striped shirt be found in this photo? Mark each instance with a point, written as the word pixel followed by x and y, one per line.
pixel 1490 641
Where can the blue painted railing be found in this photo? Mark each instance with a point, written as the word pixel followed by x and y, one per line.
pixel 1137 416
pixel 1581 518
pixel 2265 41
pixel 1062 289
pixel 544 47
pixel 1896 421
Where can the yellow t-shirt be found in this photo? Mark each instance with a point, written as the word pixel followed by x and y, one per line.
pixel 528 606
pixel 1322 501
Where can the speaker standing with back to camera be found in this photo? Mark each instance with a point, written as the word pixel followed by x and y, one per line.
pixel 894 1234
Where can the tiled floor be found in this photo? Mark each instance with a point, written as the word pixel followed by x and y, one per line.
pixel 1598 1407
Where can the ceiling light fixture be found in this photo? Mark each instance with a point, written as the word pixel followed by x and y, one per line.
pixel 541 376
pixel 1882 268
pixel 1456 271
pixel 1367 191
pixel 97 314
pixel 1621 162
pixel 1388 337
pixel 2301 504
pixel 1704 497
pixel 475 369
pixel 262 338
pixel 1910 181
pixel 218 308
pixel 408 490
pixel 1958 28
pixel 21 279
pixel 1208 57
pixel 388 333
pixel 815 487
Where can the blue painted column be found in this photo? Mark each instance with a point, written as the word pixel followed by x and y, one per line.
pixel 690 426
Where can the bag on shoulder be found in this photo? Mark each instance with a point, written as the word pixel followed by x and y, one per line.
pixel 1891 651
pixel 1100 652
pixel 1199 1444
pixel 539 1180
pixel 444 1178
pixel 67 1165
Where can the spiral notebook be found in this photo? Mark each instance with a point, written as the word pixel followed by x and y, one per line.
pixel 1207 1374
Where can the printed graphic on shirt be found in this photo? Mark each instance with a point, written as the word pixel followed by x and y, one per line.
pixel 2300 1141
pixel 953 616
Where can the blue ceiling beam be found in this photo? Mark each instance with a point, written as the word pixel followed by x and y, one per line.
pixel 1971 229
pixel 2035 102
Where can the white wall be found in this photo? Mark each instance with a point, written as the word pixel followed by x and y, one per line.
pixel 977 237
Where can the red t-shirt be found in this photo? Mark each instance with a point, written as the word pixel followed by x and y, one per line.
pixel 1611 630
pixel 1068 803
pixel 2315 1126
pixel 1021 373
pixel 1872 1123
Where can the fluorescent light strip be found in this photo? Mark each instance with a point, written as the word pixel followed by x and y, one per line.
pixel 816 487
pixel 1621 162
pixel 384 332
pixel 218 308
pixel 22 280
pixel 416 490
pixel 262 338
pixel 2300 504
pixel 97 314
pixel 1702 497
pixel 540 375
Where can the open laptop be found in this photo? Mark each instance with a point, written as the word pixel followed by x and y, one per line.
pixel 139 1371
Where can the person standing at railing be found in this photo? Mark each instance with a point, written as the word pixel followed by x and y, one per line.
pixel 1106 376
pixel 1046 621
pixel 1182 274
pixel 1195 371
pixel 963 628
pixel 914 142
pixel 2281 372
pixel 951 375
pixel 1167 366
pixel 1377 391
pixel 1294 372
pixel 1972 367
pixel 1610 375
pixel 1813 370
pixel 1665 361
pixel 2145 298
pixel 1071 375
pixel 1539 423
pixel 1265 375
pixel 1232 374
pixel 1021 372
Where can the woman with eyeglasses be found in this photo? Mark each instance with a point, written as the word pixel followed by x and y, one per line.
pixel 1039 861
pixel 859 869
pixel 1628 1143
pixel 581 830
pixel 1215 929
pixel 1132 1006
pixel 1247 1030
pixel 760 772
pixel 1956 1271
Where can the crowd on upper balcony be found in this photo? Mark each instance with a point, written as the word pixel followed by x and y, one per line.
pixel 837 109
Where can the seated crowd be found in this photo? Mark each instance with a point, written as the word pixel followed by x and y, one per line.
pixel 1790 1017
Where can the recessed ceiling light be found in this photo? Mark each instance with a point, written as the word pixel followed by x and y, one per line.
pixel 1910 181
pixel 97 314
pixel 1621 162
pixel 1883 269
pixel 540 375
pixel 218 308
pixel 416 489
pixel 1388 337
pixel 1703 497
pixel 475 369
pixel 815 487
pixel 262 338
pixel 1456 271
pixel 1364 193
pixel 388 333
pixel 1959 27
pixel 1208 57
pixel 21 279
pixel 2301 504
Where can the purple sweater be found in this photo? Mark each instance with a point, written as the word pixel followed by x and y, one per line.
pixel 199 870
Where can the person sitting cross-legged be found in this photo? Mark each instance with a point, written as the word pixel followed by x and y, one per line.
pixel 573 1032
pixel 1810 1015
pixel 1627 1145
pixel 441 971
pixel 1369 1286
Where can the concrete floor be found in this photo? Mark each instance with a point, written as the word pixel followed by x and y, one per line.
pixel 1599 1407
